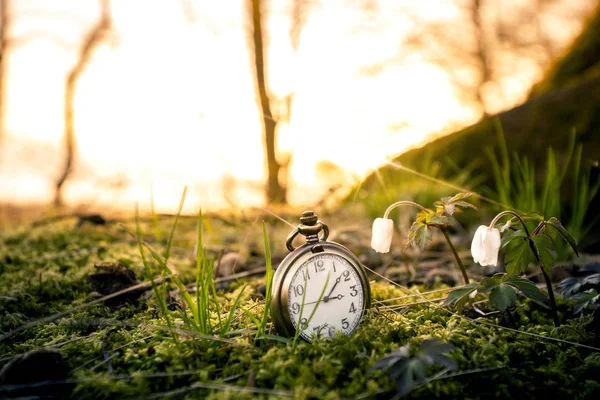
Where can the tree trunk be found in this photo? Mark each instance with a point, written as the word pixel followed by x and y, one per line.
pixel 481 53
pixel 275 191
pixel 89 44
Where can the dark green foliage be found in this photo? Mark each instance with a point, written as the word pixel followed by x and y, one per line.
pixel 502 288
pixel 583 290
pixel 408 371
pixel 518 252
pixel 554 224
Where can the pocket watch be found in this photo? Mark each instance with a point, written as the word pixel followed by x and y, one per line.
pixel 320 288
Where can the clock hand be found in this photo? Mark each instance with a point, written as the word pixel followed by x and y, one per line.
pixel 326 298
pixel 338 297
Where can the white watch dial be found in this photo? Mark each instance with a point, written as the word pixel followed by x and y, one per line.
pixel 339 308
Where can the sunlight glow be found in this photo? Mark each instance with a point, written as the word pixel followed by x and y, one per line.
pixel 169 100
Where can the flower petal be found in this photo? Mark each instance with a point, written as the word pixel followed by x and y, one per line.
pixel 477 248
pixel 383 229
pixel 491 243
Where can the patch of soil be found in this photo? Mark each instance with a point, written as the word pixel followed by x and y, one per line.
pixel 114 277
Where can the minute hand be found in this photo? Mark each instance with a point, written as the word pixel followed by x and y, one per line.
pixel 326 298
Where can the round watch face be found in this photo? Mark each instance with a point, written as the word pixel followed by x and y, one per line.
pixel 325 297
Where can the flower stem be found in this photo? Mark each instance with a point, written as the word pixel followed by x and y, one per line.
pixel 511 318
pixel 404 203
pixel 514 214
pixel 456 257
pixel 537 258
pixel 551 296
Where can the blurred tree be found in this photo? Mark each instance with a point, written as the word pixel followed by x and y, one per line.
pixel 484 43
pixel 91 40
pixel 277 166
pixel 276 191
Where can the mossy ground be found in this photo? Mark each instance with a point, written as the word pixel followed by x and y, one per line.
pixel 125 352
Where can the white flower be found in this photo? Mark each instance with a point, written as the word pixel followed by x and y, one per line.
pixel 383 229
pixel 485 245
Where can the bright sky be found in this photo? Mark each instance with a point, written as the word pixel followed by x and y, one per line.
pixel 169 100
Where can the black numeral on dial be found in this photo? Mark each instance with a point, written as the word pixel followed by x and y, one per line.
pixel 354 291
pixel 345 323
pixel 352 308
pixel 319 266
pixel 298 290
pixel 346 274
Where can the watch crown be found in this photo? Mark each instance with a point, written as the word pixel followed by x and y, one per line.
pixel 308 218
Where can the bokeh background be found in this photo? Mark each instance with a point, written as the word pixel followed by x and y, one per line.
pixel 163 94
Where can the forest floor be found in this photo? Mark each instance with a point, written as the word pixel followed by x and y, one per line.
pixel 59 337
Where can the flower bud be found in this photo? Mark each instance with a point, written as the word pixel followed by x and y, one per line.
pixel 486 245
pixel 383 229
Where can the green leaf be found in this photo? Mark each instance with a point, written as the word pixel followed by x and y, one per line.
pixel 518 256
pixel 503 296
pixel 460 296
pixel 433 218
pixel 529 216
pixel 457 197
pixel 449 204
pixel 546 251
pixel 407 371
pixel 419 234
pixel 464 204
pixel 511 236
pixel 489 284
pixel 528 288
pixel 555 223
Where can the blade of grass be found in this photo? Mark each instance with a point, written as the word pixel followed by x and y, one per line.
pixel 199 261
pixel 162 302
pixel 299 329
pixel 172 233
pixel 234 307
pixel 269 283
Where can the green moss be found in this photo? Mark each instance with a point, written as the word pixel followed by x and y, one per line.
pixel 148 361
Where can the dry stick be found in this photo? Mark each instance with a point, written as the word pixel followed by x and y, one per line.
pixel 207 385
pixel 487 323
pixel 137 324
pixel 416 295
pixel 221 386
